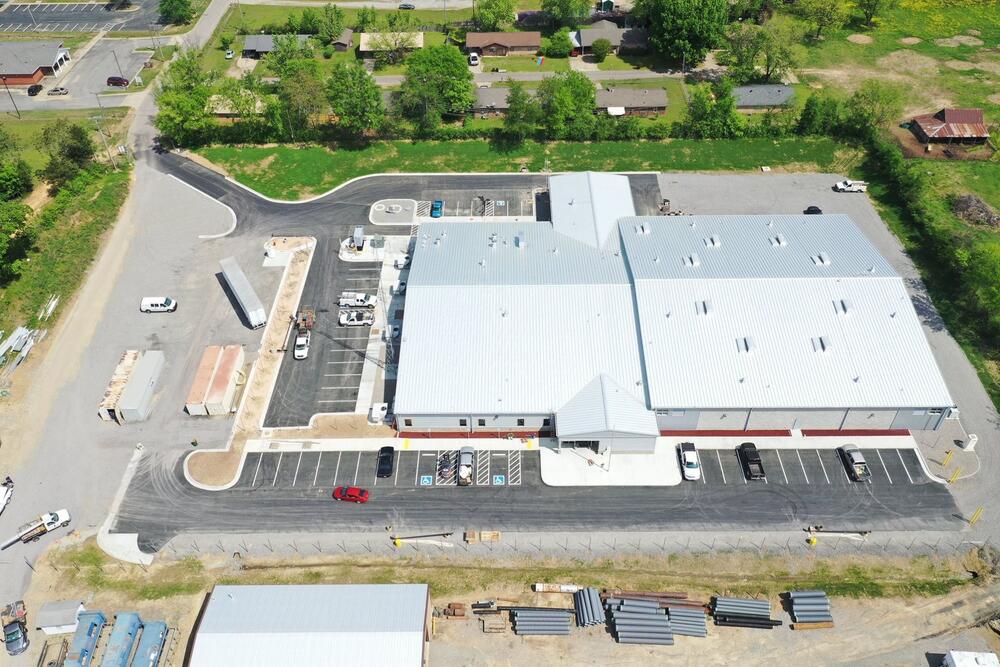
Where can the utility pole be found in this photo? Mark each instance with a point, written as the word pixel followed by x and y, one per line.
pixel 111 155
pixel 120 72
pixel 16 110
pixel 101 107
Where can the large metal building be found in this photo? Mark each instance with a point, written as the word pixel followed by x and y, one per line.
pixel 313 626
pixel 607 329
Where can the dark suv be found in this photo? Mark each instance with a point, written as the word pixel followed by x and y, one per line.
pixel 386 456
pixel 117 82
pixel 34 89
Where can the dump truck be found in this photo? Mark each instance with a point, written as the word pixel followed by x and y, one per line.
pixel 13 618
pixel 33 530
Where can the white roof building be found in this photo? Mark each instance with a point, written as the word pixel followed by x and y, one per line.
pixel 313 626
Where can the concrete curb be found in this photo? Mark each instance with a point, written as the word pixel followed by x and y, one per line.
pixel 926 468
pixel 123 546
pixel 231 211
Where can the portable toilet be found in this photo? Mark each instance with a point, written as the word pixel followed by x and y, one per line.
pixel 88 630
pixel 150 649
pixel 122 639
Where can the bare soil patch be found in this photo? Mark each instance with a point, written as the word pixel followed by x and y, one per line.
pixel 961 65
pixel 905 61
pixel 994 98
pixel 910 41
pixel 859 39
pixel 959 40
pixel 973 31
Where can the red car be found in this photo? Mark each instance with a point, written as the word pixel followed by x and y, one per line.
pixel 351 494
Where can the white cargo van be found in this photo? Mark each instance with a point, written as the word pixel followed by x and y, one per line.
pixel 157 304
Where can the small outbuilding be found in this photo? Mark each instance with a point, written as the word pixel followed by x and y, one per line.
pixel 59 617
pixel 767 96
pixel 958 126
pixel 503 43
pixel 345 42
pixel 313 626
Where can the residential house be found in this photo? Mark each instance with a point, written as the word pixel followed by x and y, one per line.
pixel 503 43
pixel 632 40
pixel 492 102
pixel 751 98
pixel 26 63
pixel 258 46
pixel 345 42
pixel 963 126
pixel 373 42
pixel 632 101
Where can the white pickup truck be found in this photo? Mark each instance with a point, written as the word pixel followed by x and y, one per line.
pixel 851 186
pixel 356 318
pixel 31 531
pixel 357 300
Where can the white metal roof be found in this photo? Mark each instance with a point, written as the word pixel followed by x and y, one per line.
pixel 602 407
pixel 312 625
pixel 586 205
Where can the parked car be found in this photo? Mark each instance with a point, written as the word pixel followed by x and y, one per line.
pixel 437 208
pixel 753 467
pixel 690 465
pixel 854 461
pixel 157 304
pixel 58 91
pixel 230 54
pixel 466 465
pixel 407 5
pixel 473 59
pixel 356 318
pixel 13 618
pixel 34 89
pixel 351 494
pixel 302 339
pixel 813 210
pixel 357 300
pixel 117 82
pixel 851 186
pixel 386 457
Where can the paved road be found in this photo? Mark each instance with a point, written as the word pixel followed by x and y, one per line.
pixel 290 492
pixel 44 17
pixel 392 80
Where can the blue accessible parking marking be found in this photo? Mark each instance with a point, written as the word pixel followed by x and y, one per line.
pixel 499 480
pixel 426 480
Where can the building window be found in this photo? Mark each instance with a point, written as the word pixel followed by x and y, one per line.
pixel 547 421
pixel 407 422
pixel 481 422
pixel 463 422
pixel 520 422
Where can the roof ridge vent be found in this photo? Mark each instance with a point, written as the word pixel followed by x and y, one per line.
pixel 745 344
pixel 713 241
pixel 842 306
pixel 821 259
pixel 704 307
pixel 779 241
pixel 821 344
pixel 692 261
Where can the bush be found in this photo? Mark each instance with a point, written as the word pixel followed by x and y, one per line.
pixel 328 51
pixel 560 45
pixel 600 49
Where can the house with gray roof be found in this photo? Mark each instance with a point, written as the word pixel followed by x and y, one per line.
pixel 26 63
pixel 766 96
pixel 632 101
pixel 622 39
pixel 258 46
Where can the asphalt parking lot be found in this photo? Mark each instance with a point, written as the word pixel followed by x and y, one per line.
pixel 486 203
pixel 75 17
pixel 90 75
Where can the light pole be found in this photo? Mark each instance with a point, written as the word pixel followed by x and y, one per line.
pixel 16 110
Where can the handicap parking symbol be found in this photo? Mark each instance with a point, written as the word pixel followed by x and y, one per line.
pixel 499 480
pixel 426 480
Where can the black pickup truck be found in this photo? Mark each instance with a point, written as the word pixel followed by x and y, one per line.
pixel 753 468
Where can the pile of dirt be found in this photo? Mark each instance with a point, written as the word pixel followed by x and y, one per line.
pixel 910 41
pixel 972 209
pixel 909 62
pixel 859 39
pixel 959 40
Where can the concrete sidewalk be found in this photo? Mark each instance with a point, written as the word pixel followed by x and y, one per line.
pixel 582 467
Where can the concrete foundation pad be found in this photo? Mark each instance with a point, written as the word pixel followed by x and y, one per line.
pixel 582 467
pixel 393 212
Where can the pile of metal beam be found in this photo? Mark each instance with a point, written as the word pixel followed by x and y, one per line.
pixel 589 611
pixel 541 621
pixel 639 622
pixel 687 622
pixel 741 613
pixel 810 610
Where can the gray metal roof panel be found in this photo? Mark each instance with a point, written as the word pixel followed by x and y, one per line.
pixel 602 406
pixel 763 95
pixel 586 205
pixel 58 612
pixel 26 57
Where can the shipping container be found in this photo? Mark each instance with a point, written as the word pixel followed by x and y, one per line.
pixel 195 404
pixel 244 293
pixel 137 398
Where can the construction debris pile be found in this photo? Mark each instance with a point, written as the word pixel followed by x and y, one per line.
pixel 810 610
pixel 742 613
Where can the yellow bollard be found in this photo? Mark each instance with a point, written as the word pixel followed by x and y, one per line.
pixel 975 516
pixel 406 443
pixel 811 540
pixel 397 543
pixel 947 457
pixel 954 476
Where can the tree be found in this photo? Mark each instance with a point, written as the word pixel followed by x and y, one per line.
pixel 871 9
pixel 982 274
pixel 8 142
pixel 560 44
pixel 493 15
pixel 225 41
pixel 301 96
pixel 438 82
pixel 366 19
pixel 745 42
pixel 286 49
pixel 523 113
pixel 567 102
pixel 246 99
pixel 391 47
pixel 182 101
pixel 566 12
pixel 712 114
pixel 400 21
pixel 779 53
pixel 16 238
pixel 600 49
pixel 331 23
pixel 69 148
pixel 820 116
pixel 875 104
pixel 355 99
pixel 309 23
pixel 176 11
pixel 684 30
pixel 15 179
pixel 823 14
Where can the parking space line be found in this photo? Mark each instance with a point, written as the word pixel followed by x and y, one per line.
pixel 357 467
pixel 399 464
pixel 822 466
pixel 256 470
pixel 883 465
pixel 338 388
pixel 905 469
pixel 319 462
pixel 723 470
pixel 276 469
pixel 336 470
pixel 780 463
pixel 295 478
pixel 351 402
pixel 339 375
pixel 802 465
pixel 349 361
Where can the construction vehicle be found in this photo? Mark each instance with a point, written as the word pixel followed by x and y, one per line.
pixel 13 618
pixel 33 530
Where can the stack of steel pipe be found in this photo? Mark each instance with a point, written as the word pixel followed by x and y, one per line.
pixel 639 622
pixel 740 613
pixel 687 622
pixel 810 607
pixel 666 600
pixel 589 611
pixel 540 622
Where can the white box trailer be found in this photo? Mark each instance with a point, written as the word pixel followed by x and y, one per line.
pixel 244 293
pixel 137 398
pixel 222 392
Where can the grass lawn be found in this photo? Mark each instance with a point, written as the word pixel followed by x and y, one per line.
pixel 27 128
pixel 289 172
pixel 625 62
pixel 249 19
pixel 526 64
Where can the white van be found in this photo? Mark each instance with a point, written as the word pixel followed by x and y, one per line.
pixel 157 304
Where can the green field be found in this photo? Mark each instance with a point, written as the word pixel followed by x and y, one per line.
pixel 288 172
pixel 27 128
pixel 526 64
